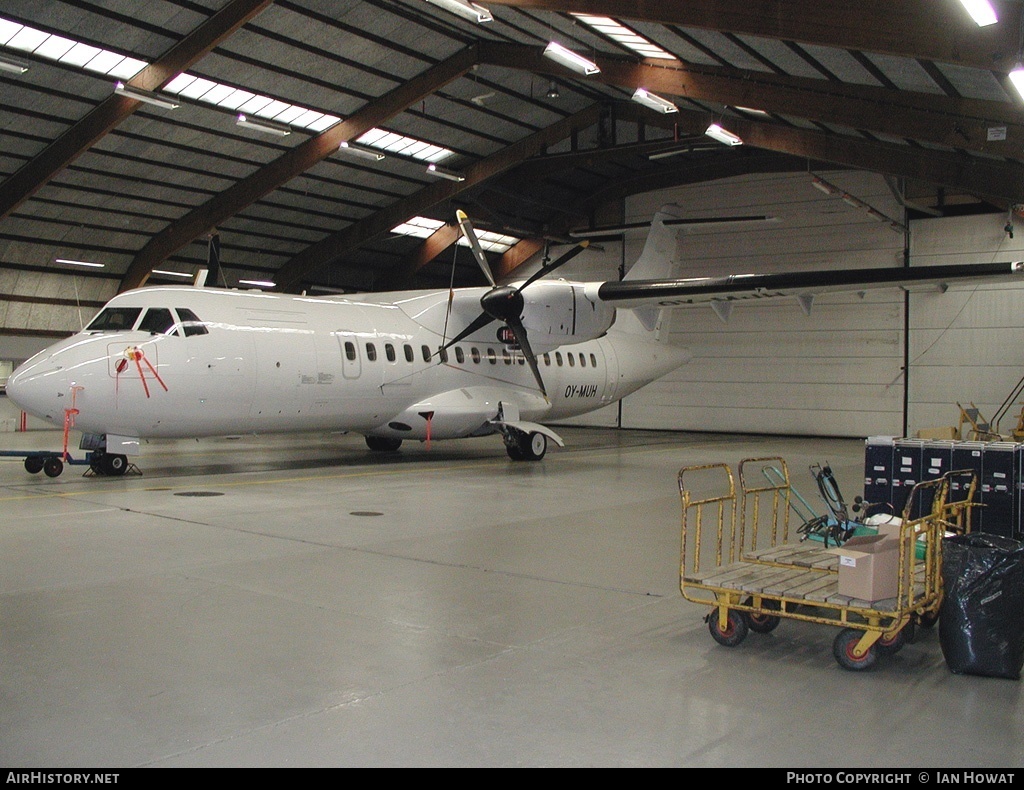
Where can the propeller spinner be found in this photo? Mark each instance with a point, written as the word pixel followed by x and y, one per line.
pixel 505 303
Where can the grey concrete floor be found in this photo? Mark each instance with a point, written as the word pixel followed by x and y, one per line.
pixel 299 601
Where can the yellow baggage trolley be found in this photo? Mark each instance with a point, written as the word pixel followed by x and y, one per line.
pixel 754 570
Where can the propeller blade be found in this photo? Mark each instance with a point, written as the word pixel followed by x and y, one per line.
pixel 562 259
pixel 479 322
pixel 531 359
pixel 474 244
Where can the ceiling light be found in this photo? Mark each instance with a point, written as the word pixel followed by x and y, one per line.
pixel 259 283
pixel 172 274
pixel 12 65
pixel 263 126
pixel 552 91
pixel 451 175
pixel 79 263
pixel 716 132
pixel 981 11
pixel 1017 78
pixel 358 150
pixel 466 9
pixel 570 59
pixel 144 96
pixel 641 96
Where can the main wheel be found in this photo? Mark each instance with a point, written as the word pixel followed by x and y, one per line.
pixel 842 649
pixel 760 622
pixel 533 446
pixel 383 444
pixel 115 464
pixel 53 466
pixel 33 465
pixel 734 632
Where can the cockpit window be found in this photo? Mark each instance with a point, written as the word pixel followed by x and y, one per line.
pixel 190 323
pixel 114 319
pixel 158 321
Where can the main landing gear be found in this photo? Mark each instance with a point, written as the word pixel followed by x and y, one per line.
pixel 522 446
pixel 109 464
pixel 383 444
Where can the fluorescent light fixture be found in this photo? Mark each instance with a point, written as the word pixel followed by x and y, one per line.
pixel 357 150
pixel 1017 78
pixel 263 126
pixel 570 59
pixel 12 65
pixel 258 283
pixel 186 275
pixel 716 132
pixel 144 96
pixel 750 110
pixel 465 9
pixel 831 189
pixel 451 175
pixel 981 12
pixel 79 263
pixel 641 96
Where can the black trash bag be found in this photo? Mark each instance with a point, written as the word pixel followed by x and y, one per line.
pixel 981 618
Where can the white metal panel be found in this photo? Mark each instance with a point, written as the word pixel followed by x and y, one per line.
pixel 966 346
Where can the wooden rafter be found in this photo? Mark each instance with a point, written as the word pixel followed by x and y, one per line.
pixel 942 120
pixel 335 246
pixel 927 29
pixel 38 172
pixel 293 163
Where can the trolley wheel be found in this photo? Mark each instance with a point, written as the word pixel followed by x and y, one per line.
pixel 114 464
pixel 760 622
pixel 842 649
pixel 52 467
pixel 903 637
pixel 928 619
pixel 33 465
pixel 734 632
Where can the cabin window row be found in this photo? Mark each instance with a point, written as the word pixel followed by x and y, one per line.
pixel 570 358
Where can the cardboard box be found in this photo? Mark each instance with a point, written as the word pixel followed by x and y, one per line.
pixel 869 567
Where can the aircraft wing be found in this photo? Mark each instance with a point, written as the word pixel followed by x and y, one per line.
pixel 804 285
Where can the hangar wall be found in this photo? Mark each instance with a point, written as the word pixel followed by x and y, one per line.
pixel 838 371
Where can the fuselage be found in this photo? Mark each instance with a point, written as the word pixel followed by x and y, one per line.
pixel 183 362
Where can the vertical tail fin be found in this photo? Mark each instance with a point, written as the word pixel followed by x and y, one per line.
pixel 656 262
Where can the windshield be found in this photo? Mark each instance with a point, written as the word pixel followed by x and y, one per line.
pixel 115 319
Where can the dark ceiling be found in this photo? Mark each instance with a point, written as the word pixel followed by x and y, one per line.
pixel 913 90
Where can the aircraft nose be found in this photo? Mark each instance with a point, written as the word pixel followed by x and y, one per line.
pixel 38 387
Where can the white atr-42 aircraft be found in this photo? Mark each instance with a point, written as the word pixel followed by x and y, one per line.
pixel 176 362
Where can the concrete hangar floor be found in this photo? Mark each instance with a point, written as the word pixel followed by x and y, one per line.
pixel 300 601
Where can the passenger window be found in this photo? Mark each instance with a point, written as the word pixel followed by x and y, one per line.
pixel 115 319
pixel 475 353
pixel 571 360
pixel 371 352
pixel 442 352
pixel 506 357
pixel 158 321
pixel 558 358
pixel 425 350
pixel 190 323
pixel 389 352
pixel 583 360
pixel 460 355
pixel 410 355
pixel 593 361
pixel 350 351
pixel 491 356
pixel 547 360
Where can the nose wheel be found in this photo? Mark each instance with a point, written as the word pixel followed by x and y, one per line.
pixel 522 446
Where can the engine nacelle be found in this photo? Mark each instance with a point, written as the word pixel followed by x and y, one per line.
pixel 557 312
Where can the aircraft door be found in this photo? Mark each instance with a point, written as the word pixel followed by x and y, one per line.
pixel 351 359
